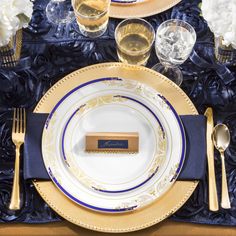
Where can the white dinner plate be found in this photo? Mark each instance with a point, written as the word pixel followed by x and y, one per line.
pixel 137 117
pixel 113 172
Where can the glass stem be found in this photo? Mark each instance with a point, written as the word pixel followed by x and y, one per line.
pixel 165 69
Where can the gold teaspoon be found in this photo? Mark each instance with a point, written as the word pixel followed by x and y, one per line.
pixel 221 139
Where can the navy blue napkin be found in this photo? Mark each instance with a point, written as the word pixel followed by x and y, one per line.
pixel 195 160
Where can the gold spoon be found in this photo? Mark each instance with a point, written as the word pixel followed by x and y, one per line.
pixel 221 139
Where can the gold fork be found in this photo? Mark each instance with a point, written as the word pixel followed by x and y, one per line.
pixel 18 136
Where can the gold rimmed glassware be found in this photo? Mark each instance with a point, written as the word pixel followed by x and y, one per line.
pixel 92 16
pixel 134 39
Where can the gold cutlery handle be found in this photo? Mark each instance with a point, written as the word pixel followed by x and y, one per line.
pixel 213 198
pixel 225 202
pixel 15 195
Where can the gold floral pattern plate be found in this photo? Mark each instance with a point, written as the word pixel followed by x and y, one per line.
pixel 113 104
pixel 129 221
pixel 112 172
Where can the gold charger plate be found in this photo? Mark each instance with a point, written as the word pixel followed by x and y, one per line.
pixel 141 9
pixel 129 221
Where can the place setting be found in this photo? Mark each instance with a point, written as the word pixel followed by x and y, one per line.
pixel 154 170
pixel 120 146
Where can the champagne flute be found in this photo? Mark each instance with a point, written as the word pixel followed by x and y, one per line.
pixel 174 43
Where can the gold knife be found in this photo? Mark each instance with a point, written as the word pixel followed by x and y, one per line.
pixel 213 198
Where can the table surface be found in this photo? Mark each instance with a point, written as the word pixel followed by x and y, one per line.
pixel 166 228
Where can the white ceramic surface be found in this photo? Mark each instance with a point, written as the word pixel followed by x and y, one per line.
pixel 113 172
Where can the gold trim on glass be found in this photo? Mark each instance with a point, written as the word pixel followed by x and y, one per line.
pixel 145 217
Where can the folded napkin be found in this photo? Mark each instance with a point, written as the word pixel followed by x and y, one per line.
pixel 195 159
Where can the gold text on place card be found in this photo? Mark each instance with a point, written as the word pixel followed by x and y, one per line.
pixel 112 142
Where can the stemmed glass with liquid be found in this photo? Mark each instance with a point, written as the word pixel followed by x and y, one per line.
pixel 174 43
pixel 134 39
pixel 92 16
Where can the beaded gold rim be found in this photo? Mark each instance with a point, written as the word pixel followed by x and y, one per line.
pixel 94 219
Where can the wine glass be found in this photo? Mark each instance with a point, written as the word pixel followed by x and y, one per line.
pixel 134 39
pixel 60 12
pixel 92 16
pixel 174 43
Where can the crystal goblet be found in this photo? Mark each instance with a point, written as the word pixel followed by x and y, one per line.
pixel 174 42
pixel 60 11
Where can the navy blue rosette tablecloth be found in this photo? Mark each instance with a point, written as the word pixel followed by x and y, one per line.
pixel 53 53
